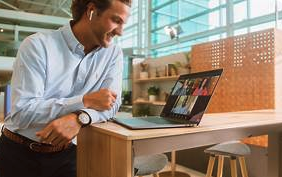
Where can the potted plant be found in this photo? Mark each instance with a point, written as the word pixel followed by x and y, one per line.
pixel 126 97
pixel 153 92
pixel 144 70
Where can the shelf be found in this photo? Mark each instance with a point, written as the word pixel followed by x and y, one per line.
pixel 167 78
pixel 157 103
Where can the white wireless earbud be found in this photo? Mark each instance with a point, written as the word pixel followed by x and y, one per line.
pixel 91 14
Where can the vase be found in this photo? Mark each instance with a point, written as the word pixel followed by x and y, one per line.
pixel 152 98
pixel 144 75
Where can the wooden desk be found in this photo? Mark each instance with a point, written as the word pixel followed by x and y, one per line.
pixel 107 149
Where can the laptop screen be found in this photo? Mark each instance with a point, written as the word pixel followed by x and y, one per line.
pixel 190 96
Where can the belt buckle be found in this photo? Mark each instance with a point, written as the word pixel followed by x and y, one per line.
pixel 33 145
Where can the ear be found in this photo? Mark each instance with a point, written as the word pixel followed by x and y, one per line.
pixel 91 10
pixel 91 14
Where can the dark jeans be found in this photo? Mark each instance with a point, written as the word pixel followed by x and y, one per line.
pixel 17 160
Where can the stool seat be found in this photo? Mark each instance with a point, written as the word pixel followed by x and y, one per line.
pixel 230 148
pixel 147 165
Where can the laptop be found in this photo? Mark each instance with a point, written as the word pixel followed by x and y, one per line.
pixel 185 106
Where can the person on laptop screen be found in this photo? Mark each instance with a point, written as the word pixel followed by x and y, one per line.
pixel 181 107
pixel 181 88
pixel 202 89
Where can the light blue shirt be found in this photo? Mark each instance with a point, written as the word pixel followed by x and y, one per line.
pixel 52 73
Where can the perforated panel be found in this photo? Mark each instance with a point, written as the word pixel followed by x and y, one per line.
pixel 217 53
pixel 248 78
pixel 239 46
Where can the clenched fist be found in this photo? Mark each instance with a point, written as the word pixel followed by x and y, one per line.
pixel 101 100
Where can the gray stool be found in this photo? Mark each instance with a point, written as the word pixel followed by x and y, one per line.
pixel 232 150
pixel 147 165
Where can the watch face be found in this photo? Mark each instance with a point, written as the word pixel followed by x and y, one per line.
pixel 83 118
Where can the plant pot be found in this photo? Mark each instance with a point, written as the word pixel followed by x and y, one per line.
pixel 152 98
pixel 144 75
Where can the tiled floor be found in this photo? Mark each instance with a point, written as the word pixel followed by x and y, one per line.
pixel 191 172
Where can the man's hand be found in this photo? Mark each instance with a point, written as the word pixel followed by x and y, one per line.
pixel 60 131
pixel 101 100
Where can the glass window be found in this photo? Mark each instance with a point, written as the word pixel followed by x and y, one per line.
pixel 214 19
pixel 214 37
pixel 261 7
pixel 240 11
pixel 189 8
pixel 223 16
pixel 180 47
pixel 157 3
pixel 216 3
pixel 195 18
pixel 279 5
pixel 165 15
pixel 240 31
pixel 129 38
pixel 159 37
pixel 262 26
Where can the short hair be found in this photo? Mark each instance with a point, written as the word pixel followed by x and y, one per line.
pixel 79 7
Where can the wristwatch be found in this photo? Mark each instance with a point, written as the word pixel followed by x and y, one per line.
pixel 83 118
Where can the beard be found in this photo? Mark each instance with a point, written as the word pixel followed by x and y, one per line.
pixel 106 39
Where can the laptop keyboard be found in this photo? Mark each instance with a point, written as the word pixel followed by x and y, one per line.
pixel 147 121
pixel 157 120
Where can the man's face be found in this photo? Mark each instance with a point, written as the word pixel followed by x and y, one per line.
pixel 110 23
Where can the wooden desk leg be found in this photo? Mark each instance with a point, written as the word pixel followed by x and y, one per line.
pixel 274 155
pixel 103 155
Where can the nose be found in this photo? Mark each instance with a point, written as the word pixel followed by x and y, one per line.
pixel 119 30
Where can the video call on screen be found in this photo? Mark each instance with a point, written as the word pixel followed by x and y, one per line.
pixel 190 97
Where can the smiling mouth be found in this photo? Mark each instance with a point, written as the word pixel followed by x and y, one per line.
pixel 110 36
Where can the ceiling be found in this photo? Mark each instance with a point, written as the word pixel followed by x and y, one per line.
pixel 58 8
pixel 20 18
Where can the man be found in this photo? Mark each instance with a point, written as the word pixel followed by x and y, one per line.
pixel 181 107
pixel 62 81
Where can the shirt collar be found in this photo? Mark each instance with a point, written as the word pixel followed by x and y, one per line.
pixel 73 44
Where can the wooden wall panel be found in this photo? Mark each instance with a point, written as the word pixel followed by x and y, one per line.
pixel 248 80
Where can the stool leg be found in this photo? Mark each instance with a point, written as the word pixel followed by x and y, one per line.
pixel 243 166
pixel 233 166
pixel 173 163
pixel 220 165
pixel 210 166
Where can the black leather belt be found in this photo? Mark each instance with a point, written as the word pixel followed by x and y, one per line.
pixel 33 145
